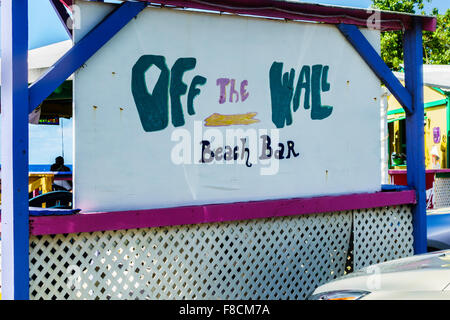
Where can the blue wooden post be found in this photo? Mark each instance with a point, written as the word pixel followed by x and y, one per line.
pixel 14 159
pixel 415 149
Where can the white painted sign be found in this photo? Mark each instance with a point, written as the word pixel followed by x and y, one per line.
pixel 183 108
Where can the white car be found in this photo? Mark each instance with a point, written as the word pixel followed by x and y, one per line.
pixel 420 277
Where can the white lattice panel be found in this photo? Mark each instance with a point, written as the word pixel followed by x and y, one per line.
pixel 0 266
pixel 441 193
pixel 278 258
pixel 381 235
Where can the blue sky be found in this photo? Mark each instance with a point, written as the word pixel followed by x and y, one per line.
pixel 45 28
pixel 442 5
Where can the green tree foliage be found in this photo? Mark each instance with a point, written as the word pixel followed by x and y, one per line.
pixel 436 44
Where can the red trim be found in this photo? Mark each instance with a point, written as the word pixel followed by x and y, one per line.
pixel 306 11
pixel 400 171
pixel 67 4
pixel 102 221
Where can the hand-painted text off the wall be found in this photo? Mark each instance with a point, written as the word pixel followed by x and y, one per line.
pixel 153 108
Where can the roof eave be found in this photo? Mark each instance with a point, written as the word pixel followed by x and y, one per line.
pixel 386 20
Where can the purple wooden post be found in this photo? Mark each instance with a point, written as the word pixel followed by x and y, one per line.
pixel 14 102
pixel 415 149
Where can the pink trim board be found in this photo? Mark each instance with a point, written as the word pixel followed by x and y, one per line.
pixel 120 220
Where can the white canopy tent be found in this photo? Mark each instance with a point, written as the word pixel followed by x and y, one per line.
pixel 40 59
pixel 433 76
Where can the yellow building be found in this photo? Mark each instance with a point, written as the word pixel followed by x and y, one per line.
pixel 437 126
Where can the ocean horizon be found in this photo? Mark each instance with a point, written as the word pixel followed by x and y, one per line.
pixel 43 167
